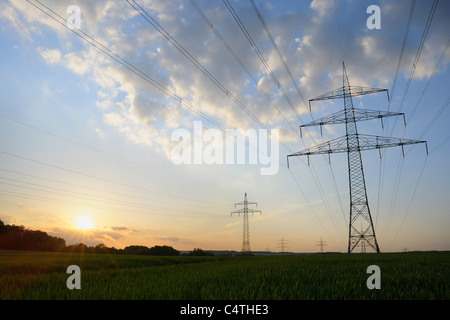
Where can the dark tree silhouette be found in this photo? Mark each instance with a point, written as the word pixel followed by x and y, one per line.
pixel 142 250
pixel 163 251
pixel 14 237
pixel 199 252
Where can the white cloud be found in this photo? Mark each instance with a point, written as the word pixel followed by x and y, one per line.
pixel 115 119
pixel 321 6
pixel 50 55
pixel 313 49
pixel 77 63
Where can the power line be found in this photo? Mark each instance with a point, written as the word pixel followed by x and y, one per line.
pixel 261 57
pixel 280 55
pixel 129 66
pixel 339 27
pixel 436 68
pixel 317 181
pixel 282 58
pixel 382 159
pixel 398 175
pixel 417 57
pixel 411 75
pixel 81 195
pixel 83 35
pixel 411 201
pixel 304 198
pixel 433 121
pixel 84 187
pixel 97 178
pixel 180 48
pixel 106 153
pixel 440 145
pixel 405 37
pixel 333 176
pixel 238 60
pixel 166 212
pixel 324 198
pixel 135 70
pixel 435 118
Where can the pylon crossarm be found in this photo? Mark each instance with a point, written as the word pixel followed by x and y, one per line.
pixel 366 142
pixel 359 115
pixel 238 212
pixel 332 146
pixel 343 92
pixel 245 203
pixel 254 211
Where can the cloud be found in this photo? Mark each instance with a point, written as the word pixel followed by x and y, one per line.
pixel 321 6
pixel 9 219
pixel 170 239
pixel 108 235
pixel 50 55
pixel 119 228
pixel 78 63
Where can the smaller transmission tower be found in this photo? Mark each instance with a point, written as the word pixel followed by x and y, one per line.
pixel 246 233
pixel 322 244
pixel 282 244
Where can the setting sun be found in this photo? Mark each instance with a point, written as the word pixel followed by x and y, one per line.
pixel 84 223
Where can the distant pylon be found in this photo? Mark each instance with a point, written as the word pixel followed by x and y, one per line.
pixel 322 244
pixel 246 233
pixel 282 244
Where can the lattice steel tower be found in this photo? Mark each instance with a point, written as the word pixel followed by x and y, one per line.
pixel 353 143
pixel 282 244
pixel 321 244
pixel 246 233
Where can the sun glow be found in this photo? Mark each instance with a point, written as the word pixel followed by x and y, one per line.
pixel 84 223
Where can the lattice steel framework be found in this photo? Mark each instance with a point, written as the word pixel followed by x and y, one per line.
pixel 321 244
pixel 353 143
pixel 246 232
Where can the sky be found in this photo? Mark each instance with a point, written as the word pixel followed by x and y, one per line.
pixel 90 105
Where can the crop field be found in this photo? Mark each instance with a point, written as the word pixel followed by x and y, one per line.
pixel 404 276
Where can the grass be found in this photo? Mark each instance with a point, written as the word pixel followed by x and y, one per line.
pixel 404 276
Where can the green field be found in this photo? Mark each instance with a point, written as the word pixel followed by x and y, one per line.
pixel 42 275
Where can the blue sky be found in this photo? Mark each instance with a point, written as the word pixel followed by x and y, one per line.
pixel 81 135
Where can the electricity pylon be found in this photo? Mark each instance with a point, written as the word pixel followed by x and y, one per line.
pixel 282 244
pixel 353 143
pixel 246 233
pixel 322 244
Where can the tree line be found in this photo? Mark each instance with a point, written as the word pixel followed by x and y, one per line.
pixel 14 237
